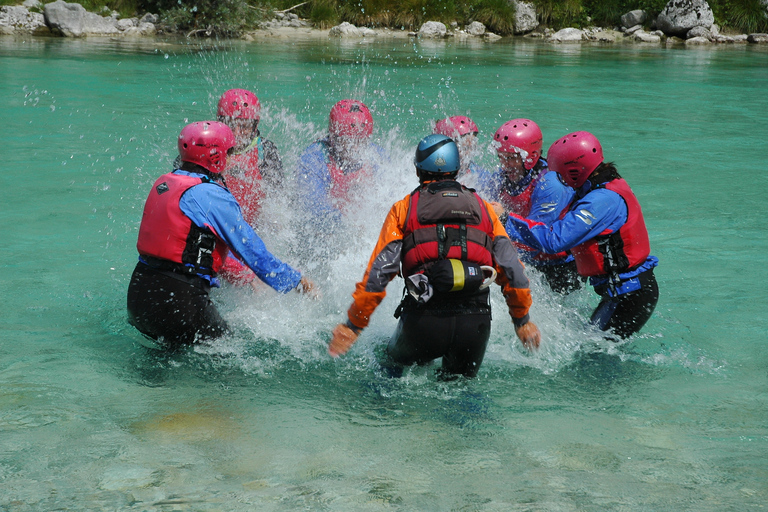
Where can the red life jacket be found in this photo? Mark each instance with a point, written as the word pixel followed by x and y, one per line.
pixel 446 220
pixel 521 205
pixel 342 183
pixel 168 235
pixel 245 182
pixel 619 251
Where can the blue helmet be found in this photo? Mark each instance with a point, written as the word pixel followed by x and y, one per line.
pixel 438 154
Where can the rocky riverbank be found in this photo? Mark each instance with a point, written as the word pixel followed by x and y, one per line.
pixel 689 22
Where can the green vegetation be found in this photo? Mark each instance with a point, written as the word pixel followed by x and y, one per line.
pixel 233 17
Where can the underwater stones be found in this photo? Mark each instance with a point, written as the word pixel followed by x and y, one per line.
pixel 632 18
pixel 525 17
pixel 433 30
pixel 680 16
pixel 697 41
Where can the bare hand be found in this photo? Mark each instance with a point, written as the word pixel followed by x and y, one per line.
pixel 308 288
pixel 342 340
pixel 497 208
pixel 529 336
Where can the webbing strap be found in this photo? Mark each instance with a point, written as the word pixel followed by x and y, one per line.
pixel 458 275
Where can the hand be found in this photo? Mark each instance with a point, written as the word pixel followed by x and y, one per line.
pixel 342 340
pixel 308 288
pixel 497 208
pixel 529 335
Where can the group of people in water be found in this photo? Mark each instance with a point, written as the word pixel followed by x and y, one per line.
pixel 570 216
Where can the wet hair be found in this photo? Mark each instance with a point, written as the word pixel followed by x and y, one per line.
pixel 435 176
pixel 606 171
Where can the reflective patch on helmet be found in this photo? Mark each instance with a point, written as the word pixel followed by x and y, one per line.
pixel 162 188
pixel 440 161
pixel 586 216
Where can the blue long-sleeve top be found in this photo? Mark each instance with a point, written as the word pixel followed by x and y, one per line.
pixel 314 178
pixel 211 206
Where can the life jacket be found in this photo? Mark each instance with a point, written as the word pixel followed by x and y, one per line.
pixel 343 182
pixel 619 251
pixel 520 204
pixel 445 220
pixel 245 181
pixel 168 239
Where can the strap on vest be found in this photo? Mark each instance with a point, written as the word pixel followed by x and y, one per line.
pixel 447 238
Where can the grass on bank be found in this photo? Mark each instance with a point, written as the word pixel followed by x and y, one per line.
pixel 233 17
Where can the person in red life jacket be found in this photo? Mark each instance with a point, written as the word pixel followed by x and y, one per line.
pixel 334 169
pixel 190 222
pixel 524 186
pixel 443 239
pixel 464 133
pixel 253 168
pixel 605 231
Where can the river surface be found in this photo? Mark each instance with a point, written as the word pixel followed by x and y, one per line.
pixel 90 419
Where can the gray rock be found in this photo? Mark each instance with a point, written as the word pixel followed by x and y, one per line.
pixel 674 40
pixel 150 18
pixel 645 37
pixel 680 16
pixel 476 29
pixel 433 29
pixel 632 18
pixel 699 32
pixel 490 36
pixel 568 35
pixel 716 29
pixel 32 4
pixel 127 23
pixel 525 17
pixel 346 29
pixel 657 33
pixel 697 41
pixel 72 20
pixel 632 30
pixel 757 38
pixel 17 19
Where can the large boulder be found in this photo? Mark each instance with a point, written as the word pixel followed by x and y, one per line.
pixel 680 16
pixel 16 18
pixel 632 18
pixel 475 29
pixel 346 29
pixel 72 20
pixel 433 29
pixel 525 17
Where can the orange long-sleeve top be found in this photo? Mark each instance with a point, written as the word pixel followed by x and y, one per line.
pixel 384 265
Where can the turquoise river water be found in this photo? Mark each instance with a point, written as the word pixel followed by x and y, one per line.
pixel 676 419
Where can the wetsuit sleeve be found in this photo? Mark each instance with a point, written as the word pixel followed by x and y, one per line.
pixel 510 273
pixel 271 167
pixel 213 207
pixel 314 184
pixel 383 266
pixel 549 198
pixel 600 212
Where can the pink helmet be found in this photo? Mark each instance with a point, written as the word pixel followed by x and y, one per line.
pixel 521 136
pixel 455 127
pixel 575 157
pixel 239 104
pixel 206 143
pixel 350 118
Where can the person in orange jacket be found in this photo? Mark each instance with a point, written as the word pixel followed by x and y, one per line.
pixel 443 238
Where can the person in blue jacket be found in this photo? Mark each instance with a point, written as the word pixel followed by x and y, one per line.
pixel 189 224
pixel 605 231
pixel 524 185
pixel 334 170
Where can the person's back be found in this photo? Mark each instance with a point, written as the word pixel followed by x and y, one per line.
pixel 448 245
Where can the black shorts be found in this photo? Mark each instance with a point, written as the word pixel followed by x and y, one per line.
pixel 174 309
pixel 457 331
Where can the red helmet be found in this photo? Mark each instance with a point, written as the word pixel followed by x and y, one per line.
pixel 239 104
pixel 351 118
pixel 521 136
pixel 575 157
pixel 455 127
pixel 206 143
